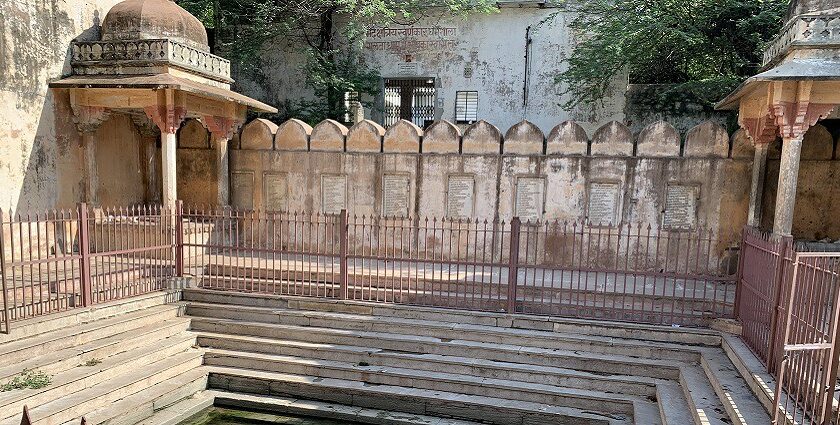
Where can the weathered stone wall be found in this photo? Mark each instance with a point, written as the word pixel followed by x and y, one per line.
pixel 42 161
pixel 484 53
pixel 483 173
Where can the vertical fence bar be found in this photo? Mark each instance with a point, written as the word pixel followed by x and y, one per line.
pixel 84 252
pixel 778 289
pixel 6 323
pixel 342 260
pixel 738 276
pixel 179 239
pixel 513 263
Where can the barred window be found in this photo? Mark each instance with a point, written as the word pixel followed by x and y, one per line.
pixel 466 107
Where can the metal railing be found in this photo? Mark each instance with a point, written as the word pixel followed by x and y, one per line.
pixel 64 259
pixel 629 273
pixel 788 306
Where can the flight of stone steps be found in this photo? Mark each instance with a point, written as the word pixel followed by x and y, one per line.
pixel 142 361
pixel 478 367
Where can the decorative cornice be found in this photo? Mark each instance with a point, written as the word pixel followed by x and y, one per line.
pixel 90 57
pixel 89 118
pixel 809 30
pixel 167 118
pixel 222 128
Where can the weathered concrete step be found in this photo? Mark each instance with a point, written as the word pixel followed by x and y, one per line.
pixel 577 360
pixel 75 318
pixel 673 406
pixel 519 321
pixel 751 370
pixel 77 335
pixel 56 361
pixel 76 404
pixel 182 410
pixel 142 405
pixel 611 403
pixel 316 409
pixel 702 400
pixel 560 377
pixel 403 399
pixel 81 378
pixel 740 403
pixel 482 333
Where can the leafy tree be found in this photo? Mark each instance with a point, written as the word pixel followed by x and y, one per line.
pixel 330 34
pixel 701 47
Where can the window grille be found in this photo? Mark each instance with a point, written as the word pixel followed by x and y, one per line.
pixel 466 107
pixel 350 99
pixel 410 99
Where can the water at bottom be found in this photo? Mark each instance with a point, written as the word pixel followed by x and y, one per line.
pixel 220 416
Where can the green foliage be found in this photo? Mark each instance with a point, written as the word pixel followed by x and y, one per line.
pixel 329 34
pixel 91 362
pixel 702 47
pixel 32 379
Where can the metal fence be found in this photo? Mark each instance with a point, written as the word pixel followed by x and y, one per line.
pixel 60 260
pixel 788 306
pixel 629 273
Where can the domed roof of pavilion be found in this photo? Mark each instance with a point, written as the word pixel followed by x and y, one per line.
pixel 153 19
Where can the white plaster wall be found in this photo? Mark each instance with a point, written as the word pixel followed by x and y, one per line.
pixel 40 159
pixel 493 46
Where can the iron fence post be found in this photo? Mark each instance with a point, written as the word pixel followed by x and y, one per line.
pixel 778 285
pixel 179 239
pixel 7 325
pixel 513 264
pixel 739 275
pixel 84 254
pixel 342 262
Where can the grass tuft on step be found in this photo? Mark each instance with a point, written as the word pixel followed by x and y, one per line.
pixel 32 379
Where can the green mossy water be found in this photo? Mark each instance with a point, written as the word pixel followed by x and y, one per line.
pixel 219 416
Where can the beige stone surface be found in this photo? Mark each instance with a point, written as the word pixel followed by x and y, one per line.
pixel 524 138
pixel 366 136
pixel 707 139
pixel 612 139
pixel 328 136
pixel 293 135
pixel 658 139
pixel 567 138
pixel 258 135
pixel 442 137
pixel 818 144
pixel 482 138
pixel 193 135
pixel 742 146
pixel 403 137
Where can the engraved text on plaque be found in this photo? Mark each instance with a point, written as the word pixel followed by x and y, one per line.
pixel 529 198
pixel 333 194
pixel 603 203
pixel 460 196
pixel 680 207
pixel 395 194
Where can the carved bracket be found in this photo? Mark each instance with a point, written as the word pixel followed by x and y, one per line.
pixel 168 118
pixel 89 118
pixel 222 128
pixel 795 118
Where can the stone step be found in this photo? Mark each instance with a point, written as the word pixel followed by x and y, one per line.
pixel 316 409
pixel 56 361
pixel 59 339
pixel 480 333
pixel 182 410
pixel 404 399
pixel 732 389
pixel 673 407
pixel 636 331
pixel 143 405
pixel 570 359
pixel 602 402
pixel 761 384
pixel 28 328
pixel 533 373
pixel 81 378
pixel 78 403
pixel 702 400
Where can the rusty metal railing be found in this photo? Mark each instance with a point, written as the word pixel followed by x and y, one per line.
pixel 65 259
pixel 631 273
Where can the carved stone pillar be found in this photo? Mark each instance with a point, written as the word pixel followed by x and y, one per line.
pixel 88 119
pixel 168 119
pixel 149 134
pixel 786 192
pixel 759 173
pixel 221 131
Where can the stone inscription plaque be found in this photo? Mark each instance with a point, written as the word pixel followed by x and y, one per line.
pixel 333 194
pixel 603 203
pixel 460 196
pixel 242 190
pixel 395 195
pixel 528 204
pixel 680 207
pixel 275 191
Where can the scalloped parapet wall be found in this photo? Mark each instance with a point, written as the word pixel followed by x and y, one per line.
pixel 613 139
